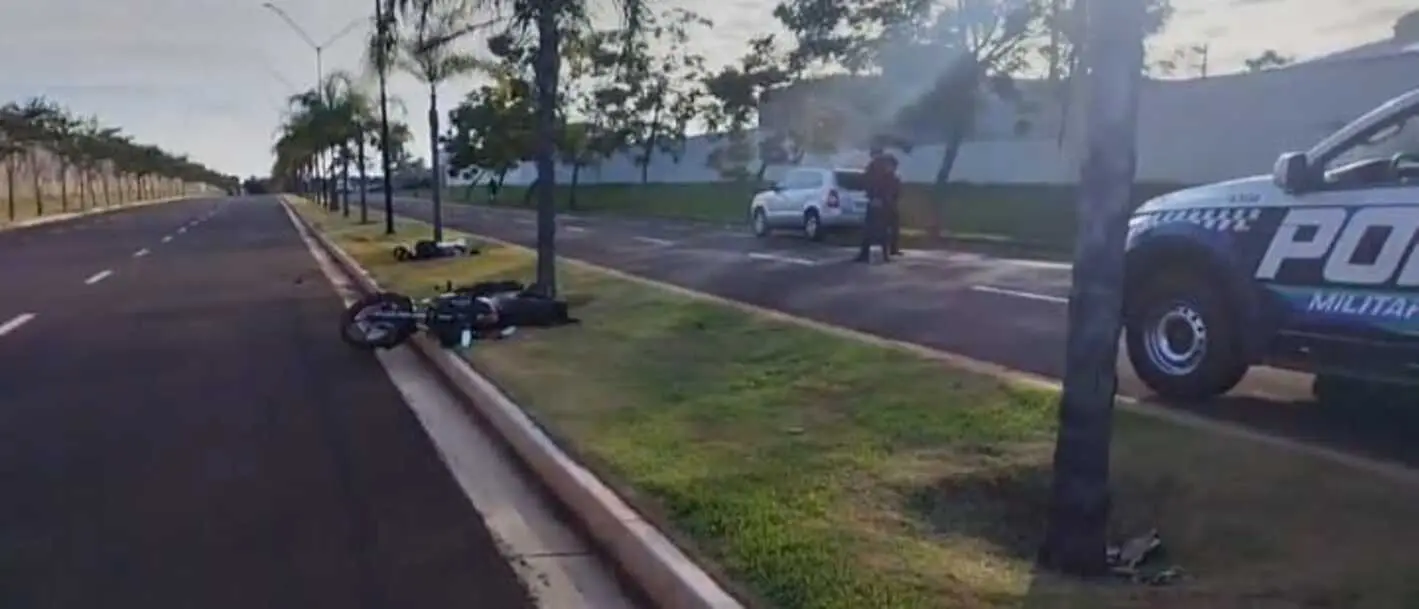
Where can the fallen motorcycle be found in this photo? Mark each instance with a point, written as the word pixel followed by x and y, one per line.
pixel 456 316
pixel 428 249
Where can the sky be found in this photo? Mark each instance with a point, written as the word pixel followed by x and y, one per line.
pixel 208 78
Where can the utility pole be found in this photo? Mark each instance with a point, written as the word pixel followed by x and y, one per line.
pixel 1075 541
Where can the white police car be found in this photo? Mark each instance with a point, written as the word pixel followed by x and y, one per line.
pixel 1313 268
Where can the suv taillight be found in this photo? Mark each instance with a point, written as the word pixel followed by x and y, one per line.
pixel 833 198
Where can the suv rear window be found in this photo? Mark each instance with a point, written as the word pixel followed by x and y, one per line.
pixel 851 180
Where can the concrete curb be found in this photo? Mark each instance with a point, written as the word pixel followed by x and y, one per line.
pixel 666 575
pixel 64 217
pixel 1389 470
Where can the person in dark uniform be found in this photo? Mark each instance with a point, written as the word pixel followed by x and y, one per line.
pixel 883 188
pixel 891 195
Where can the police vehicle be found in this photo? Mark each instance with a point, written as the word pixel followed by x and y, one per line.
pixel 1313 268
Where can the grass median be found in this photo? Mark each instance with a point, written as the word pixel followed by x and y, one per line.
pixel 1034 217
pixel 821 472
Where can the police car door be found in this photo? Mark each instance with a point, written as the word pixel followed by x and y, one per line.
pixel 1343 258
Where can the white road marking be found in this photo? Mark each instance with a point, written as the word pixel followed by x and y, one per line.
pixel 167 238
pixel 140 253
pixel 97 277
pixel 13 324
pixel 1020 294
pixel 181 230
pixel 654 241
pixel 575 229
pixel 778 258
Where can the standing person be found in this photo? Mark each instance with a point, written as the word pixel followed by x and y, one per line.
pixel 879 174
pixel 891 195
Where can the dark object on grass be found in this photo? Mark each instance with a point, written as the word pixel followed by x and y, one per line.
pixel 1137 560
pixel 457 316
pixel 428 249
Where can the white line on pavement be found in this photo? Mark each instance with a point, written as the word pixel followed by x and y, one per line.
pixel 15 323
pixel 181 230
pixel 575 229
pixel 1020 294
pixel 167 238
pixel 778 258
pixel 140 253
pixel 97 277
pixel 654 241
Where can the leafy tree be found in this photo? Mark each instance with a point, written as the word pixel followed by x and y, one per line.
pixel 1267 60
pixel 738 92
pixel 491 131
pixel 663 94
pixel 553 22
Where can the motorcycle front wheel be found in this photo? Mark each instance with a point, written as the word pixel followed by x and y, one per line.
pixel 378 321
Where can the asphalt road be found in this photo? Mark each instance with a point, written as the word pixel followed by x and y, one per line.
pixel 181 427
pixel 1006 311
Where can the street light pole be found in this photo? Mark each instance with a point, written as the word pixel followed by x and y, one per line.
pixel 1075 539
pixel 319 49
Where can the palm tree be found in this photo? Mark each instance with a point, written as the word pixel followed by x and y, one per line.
pixel 12 126
pixel 39 133
pixel 36 116
pixel 425 51
pixel 552 21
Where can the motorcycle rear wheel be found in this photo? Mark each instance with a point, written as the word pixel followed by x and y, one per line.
pixel 361 325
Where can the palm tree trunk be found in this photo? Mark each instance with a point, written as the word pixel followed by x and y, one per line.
pixel 345 180
pixel 10 186
pixel 547 60
pixel 434 163
pixel 386 160
pixel 1075 540
pixel 63 187
pixel 38 190
pixel 364 181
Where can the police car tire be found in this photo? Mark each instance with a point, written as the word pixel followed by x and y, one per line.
pixel 1223 364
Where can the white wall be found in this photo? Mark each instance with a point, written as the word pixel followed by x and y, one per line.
pixel 1192 131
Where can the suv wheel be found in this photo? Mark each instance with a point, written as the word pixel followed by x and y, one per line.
pixel 760 223
pixel 1182 339
pixel 812 226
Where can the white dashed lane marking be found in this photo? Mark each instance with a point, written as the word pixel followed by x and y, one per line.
pixel 140 253
pixel 778 258
pixel 15 323
pixel 167 238
pixel 97 277
pixel 1020 294
pixel 654 241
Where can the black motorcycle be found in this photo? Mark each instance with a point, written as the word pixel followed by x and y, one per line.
pixel 456 316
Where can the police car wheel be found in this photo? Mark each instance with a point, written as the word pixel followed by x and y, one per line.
pixel 1182 341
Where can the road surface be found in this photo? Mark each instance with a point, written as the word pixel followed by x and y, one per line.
pixel 1007 311
pixel 180 427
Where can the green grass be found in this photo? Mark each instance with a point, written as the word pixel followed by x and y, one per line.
pixel 1039 217
pixel 821 472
